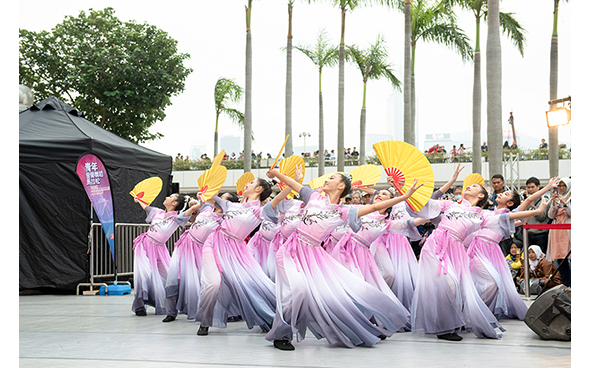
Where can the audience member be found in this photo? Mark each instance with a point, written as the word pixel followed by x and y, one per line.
pixel 537 236
pixel 484 147
pixel 543 144
pixel 560 212
pixel 514 261
pixel 540 270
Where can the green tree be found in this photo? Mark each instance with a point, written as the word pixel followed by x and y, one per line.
pixel 434 23
pixel 322 55
pixel 372 64
pixel 516 33
pixel 120 74
pixel 226 91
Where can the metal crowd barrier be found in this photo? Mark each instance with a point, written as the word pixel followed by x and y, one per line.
pixel 100 259
pixel 526 246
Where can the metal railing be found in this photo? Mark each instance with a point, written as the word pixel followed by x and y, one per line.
pixel 526 247
pixel 100 258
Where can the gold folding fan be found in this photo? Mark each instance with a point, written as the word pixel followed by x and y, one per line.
pixel 289 167
pixel 147 190
pixel 246 178
pixel 474 178
pixel 365 175
pixel 217 160
pixel 211 181
pixel 403 162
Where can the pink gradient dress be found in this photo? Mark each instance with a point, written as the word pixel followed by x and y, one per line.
pixel 445 298
pixel 290 214
pixel 488 266
pixel 151 259
pixel 232 281
pixel 335 236
pixel 183 284
pixel 260 243
pixel 316 292
pixel 395 257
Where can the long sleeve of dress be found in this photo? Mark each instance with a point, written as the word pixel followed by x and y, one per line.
pixel 222 203
pixel 271 214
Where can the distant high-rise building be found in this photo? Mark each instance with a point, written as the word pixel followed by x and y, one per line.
pixel 231 143
pixel 395 116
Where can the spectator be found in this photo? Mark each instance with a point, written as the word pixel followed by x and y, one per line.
pixel 442 149
pixel 454 153
pixel 498 184
pixel 506 145
pixel 355 154
pixel 514 145
pixel 356 198
pixel 560 211
pixel 348 199
pixel 348 153
pixel 540 271
pixel 269 156
pixel 457 194
pixel 514 261
pixel 252 154
pixel 484 147
pixel 537 236
pixel 366 199
pixel 543 144
pixel 178 157
pixel 462 149
pixel 333 158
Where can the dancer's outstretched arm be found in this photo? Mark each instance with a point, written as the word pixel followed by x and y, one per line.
pixel 369 208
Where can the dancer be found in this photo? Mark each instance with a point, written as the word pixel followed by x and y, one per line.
pixel 231 277
pixel 488 266
pixel 291 212
pixel 151 257
pixel 314 291
pixel 184 274
pixel 445 298
pixel 353 250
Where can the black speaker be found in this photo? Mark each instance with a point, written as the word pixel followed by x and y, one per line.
pixel 174 187
pixel 549 314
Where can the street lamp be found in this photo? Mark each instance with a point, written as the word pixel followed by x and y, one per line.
pixel 559 115
pixel 305 134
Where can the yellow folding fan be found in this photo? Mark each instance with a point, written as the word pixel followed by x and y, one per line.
pixel 217 160
pixel 474 178
pixel 365 175
pixel 147 190
pixel 288 167
pixel 211 181
pixel 246 178
pixel 403 162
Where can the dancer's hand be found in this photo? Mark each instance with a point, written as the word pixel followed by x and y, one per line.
pixel 298 175
pixel 412 189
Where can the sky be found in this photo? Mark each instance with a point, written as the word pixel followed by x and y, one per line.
pixel 213 33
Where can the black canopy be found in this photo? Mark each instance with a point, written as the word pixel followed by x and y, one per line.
pixel 54 210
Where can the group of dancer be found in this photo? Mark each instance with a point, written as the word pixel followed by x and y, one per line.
pixel 346 273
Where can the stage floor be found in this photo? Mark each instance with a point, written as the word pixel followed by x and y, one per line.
pixel 101 331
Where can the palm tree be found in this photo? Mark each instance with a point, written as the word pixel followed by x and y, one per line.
pixel 372 64
pixel 322 55
pixel 553 132
pixel 437 24
pixel 515 32
pixel 226 90
pixel 344 6
pixel 288 89
pixel 248 94
pixel 493 90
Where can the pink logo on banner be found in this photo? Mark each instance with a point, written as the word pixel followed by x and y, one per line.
pixel 94 178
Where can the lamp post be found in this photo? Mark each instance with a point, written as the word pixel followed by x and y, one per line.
pixel 556 116
pixel 305 134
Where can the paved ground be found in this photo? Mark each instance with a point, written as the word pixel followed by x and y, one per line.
pixel 101 331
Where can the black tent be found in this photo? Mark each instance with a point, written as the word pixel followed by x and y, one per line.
pixel 54 210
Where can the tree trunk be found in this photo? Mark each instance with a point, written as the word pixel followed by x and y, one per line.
pixel 341 116
pixel 494 91
pixel 362 130
pixel 288 90
pixel 553 132
pixel 248 96
pixel 320 128
pixel 408 129
pixel 215 136
pixel 413 98
pixel 477 106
